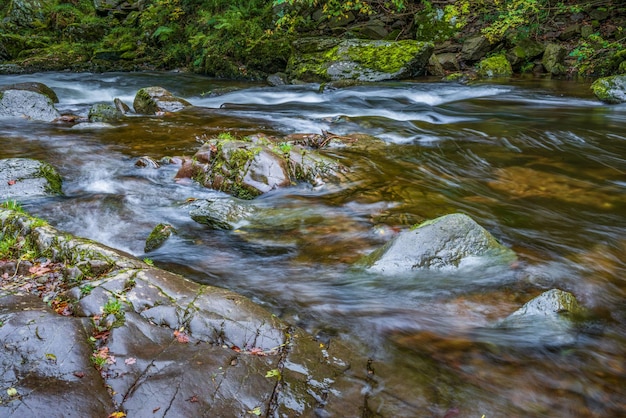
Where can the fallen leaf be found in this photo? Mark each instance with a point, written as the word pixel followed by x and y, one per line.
pixel 51 357
pixel 80 375
pixel 236 349
pixel 117 415
pixel 181 337
pixel 12 392
pixel 194 398
pixel 11 182
pixel 156 409
pixel 256 351
pixel 130 360
pixel 273 373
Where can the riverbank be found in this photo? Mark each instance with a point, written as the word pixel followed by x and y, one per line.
pixel 567 40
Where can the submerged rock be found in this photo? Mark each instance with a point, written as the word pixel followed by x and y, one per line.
pixel 155 100
pixel 548 319
pixel 221 213
pixel 449 242
pixel 331 59
pixel 24 177
pixel 610 89
pixel 27 104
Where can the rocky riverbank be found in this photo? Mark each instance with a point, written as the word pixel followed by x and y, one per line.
pixel 569 39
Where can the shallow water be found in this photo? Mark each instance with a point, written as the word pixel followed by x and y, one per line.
pixel 541 164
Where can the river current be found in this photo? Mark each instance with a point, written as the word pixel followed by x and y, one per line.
pixel 541 164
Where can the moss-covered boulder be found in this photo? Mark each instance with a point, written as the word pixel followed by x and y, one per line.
pixel 156 100
pixel 221 213
pixel 450 242
pixel 158 236
pixel 25 177
pixel 101 112
pixel 524 51
pixel 27 104
pixel 610 89
pixel 249 167
pixel 496 66
pixel 474 48
pixel 330 59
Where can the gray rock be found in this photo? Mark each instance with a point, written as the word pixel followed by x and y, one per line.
pixel 158 236
pixel 205 351
pixel 449 242
pixel 34 87
pixel 247 169
pixel 221 213
pixel 155 100
pixel 448 61
pixel 330 59
pixel 101 112
pixel 548 319
pixel 553 59
pixel 24 177
pixel 524 51
pixel 610 89
pixel 475 48
pixel 27 105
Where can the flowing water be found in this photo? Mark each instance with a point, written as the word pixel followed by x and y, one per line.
pixel 540 164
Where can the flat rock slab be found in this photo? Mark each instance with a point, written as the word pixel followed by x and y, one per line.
pixel 150 343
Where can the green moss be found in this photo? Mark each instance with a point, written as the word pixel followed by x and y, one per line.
pixel 496 66
pixel 55 182
pixel 390 57
pixel 610 89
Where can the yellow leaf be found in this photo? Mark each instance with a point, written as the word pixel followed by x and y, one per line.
pixel 117 415
pixel 12 392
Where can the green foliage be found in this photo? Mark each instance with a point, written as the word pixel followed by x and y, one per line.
pixel 12 205
pixel 112 307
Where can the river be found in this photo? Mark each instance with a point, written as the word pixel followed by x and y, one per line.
pixel 539 163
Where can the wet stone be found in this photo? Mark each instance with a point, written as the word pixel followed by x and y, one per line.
pixel 45 357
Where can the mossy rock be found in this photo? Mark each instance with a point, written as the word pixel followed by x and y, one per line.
pixel 101 112
pixel 610 89
pixel 158 236
pixel 327 59
pixel 496 66
pixel 154 100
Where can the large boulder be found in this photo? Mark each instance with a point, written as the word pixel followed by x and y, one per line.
pixel 34 87
pixel 331 59
pixel 156 100
pixel 524 51
pixel 449 242
pixel 27 104
pixel 610 89
pixel 221 213
pixel 24 177
pixel 247 168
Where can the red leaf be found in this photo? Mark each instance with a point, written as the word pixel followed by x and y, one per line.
pixel 236 349
pixel 11 182
pixel 181 337
pixel 80 375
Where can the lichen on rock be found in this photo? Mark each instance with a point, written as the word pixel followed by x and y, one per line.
pixel 610 89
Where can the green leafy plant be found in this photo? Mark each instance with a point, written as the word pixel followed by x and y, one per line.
pixel 148 261
pixel 112 307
